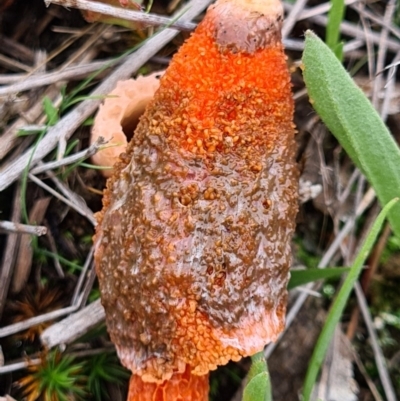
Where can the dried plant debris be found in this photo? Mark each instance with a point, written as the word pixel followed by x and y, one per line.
pixel 337 382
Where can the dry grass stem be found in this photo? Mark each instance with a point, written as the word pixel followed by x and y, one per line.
pixel 383 46
pixel 390 93
pixel 9 256
pixel 13 48
pixel 377 19
pixel 374 391
pixel 34 115
pixel 83 275
pixel 76 157
pixel 90 280
pixel 292 17
pixel 10 227
pixel 13 64
pixel 320 9
pixel 23 262
pixel 379 357
pixel 144 19
pixel 71 328
pixel 84 211
pixel 352 30
pixel 75 72
pixel 18 327
pixel 13 367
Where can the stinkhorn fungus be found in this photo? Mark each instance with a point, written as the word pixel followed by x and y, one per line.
pixel 193 242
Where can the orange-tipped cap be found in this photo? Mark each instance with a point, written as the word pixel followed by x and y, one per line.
pixel 193 243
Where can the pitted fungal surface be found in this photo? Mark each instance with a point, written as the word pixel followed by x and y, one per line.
pixel 181 387
pixel 193 243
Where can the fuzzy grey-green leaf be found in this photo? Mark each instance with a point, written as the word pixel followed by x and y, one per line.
pixel 355 123
pixel 258 388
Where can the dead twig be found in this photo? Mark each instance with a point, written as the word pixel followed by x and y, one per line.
pixel 383 46
pixel 20 326
pixel 11 227
pixel 366 376
pixel 142 18
pixel 76 204
pixel 389 88
pixel 12 367
pixel 73 326
pixel 10 252
pixel 13 64
pixel 319 9
pixel 82 276
pixel 292 17
pixel 76 157
pixel 350 29
pixel 379 357
pixel 34 115
pixel 20 83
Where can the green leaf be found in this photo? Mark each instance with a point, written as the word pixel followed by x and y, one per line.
pixel 50 111
pixel 258 365
pixel 340 301
pixel 258 386
pixel 149 6
pixel 79 99
pixel 71 264
pixel 355 123
pixel 301 277
pixel 88 122
pixel 71 146
pixel 335 17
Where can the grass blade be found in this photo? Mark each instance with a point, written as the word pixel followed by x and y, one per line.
pixel 355 123
pixel 301 277
pixel 339 303
pixel 335 17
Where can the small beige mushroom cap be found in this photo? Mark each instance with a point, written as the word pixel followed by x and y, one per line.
pixel 119 115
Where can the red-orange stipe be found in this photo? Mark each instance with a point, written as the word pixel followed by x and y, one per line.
pixel 181 387
pixel 193 243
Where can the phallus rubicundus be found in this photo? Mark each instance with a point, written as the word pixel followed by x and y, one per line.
pixel 193 242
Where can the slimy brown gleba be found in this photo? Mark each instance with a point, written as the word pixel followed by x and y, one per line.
pixel 193 242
